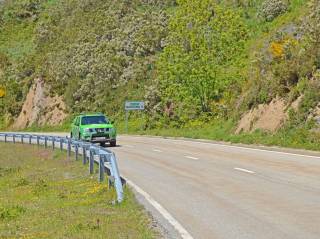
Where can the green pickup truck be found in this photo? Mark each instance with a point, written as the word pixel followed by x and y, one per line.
pixel 94 128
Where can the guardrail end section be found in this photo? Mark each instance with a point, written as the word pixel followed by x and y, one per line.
pixel 117 178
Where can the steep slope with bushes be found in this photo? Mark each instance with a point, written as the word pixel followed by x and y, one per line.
pixel 196 63
pixel 95 53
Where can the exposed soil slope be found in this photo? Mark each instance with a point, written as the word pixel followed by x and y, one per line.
pixel 41 108
pixel 268 117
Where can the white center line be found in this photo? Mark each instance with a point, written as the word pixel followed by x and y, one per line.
pixel 157 150
pixel 190 157
pixel 244 170
pixel 129 146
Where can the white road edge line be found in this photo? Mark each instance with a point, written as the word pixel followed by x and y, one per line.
pixel 157 150
pixel 190 157
pixel 180 229
pixel 244 170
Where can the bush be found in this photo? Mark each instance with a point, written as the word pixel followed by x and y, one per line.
pixel 270 9
pixel 311 23
pixel 21 10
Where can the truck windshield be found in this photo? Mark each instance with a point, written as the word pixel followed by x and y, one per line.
pixel 93 120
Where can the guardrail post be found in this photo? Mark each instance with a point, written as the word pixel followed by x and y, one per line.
pixel 84 154
pixel 110 182
pixel 76 151
pixel 22 138
pixel 101 168
pixel 30 139
pixel 14 139
pixel 45 142
pixel 111 176
pixel 5 138
pixel 91 162
pixel 53 143
pixel 69 148
pixel 61 144
pixel 38 140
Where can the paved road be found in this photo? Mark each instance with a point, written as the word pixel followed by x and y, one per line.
pixel 217 191
pixel 225 192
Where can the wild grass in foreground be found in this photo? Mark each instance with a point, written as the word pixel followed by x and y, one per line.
pixel 43 194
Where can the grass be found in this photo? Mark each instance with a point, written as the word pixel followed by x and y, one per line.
pixel 43 194
pixel 64 127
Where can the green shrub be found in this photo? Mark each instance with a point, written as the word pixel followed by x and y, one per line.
pixel 23 9
pixel 311 98
pixel 270 9
pixel 311 22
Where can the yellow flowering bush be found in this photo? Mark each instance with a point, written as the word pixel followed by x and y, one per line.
pixel 278 49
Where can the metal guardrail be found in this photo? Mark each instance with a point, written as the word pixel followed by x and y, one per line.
pixel 91 154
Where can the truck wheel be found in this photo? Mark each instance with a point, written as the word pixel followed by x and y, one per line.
pixel 103 144
pixel 113 143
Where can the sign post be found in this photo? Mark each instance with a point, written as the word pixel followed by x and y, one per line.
pixel 132 105
pixel 127 116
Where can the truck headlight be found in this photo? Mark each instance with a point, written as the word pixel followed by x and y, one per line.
pixel 88 130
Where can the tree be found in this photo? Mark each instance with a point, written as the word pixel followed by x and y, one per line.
pixel 203 41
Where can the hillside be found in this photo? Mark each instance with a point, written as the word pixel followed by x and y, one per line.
pixel 246 66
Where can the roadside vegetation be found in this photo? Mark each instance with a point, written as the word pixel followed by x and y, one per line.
pixel 222 130
pixel 200 65
pixel 43 194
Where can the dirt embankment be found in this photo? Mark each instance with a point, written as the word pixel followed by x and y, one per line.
pixel 40 108
pixel 268 117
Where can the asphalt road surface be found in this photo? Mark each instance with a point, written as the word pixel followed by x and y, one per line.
pixel 223 192
pixel 227 192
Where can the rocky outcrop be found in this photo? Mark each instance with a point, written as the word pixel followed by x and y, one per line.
pixel 40 108
pixel 268 117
